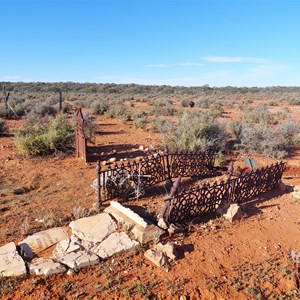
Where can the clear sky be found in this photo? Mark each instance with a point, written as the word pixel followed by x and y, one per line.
pixel 184 42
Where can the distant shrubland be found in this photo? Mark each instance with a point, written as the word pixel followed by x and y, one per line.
pixel 188 117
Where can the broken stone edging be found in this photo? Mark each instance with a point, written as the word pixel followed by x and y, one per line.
pixel 92 239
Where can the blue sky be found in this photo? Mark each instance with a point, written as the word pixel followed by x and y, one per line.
pixel 187 42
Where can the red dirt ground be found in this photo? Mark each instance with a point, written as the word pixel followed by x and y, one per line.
pixel 248 259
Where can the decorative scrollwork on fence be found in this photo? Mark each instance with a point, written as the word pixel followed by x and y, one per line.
pixel 191 203
pixel 151 170
pixel 192 163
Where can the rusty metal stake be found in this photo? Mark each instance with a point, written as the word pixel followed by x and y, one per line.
pixel 99 202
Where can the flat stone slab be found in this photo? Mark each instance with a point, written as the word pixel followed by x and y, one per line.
pixel 95 228
pixel 79 259
pixel 43 266
pixel 115 243
pixel 11 263
pixel 42 240
pixel 142 230
pixel 120 211
pixel 65 247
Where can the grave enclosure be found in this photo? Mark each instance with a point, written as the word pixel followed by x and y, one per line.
pixel 185 204
pixel 189 203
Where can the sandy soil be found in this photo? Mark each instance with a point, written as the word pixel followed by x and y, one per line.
pixel 248 259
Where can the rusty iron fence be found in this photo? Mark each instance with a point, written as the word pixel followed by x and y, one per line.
pixel 191 203
pixel 80 140
pixel 151 170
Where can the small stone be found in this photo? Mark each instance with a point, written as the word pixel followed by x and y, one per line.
pixel 169 248
pixel 103 163
pixel 113 159
pixel 141 148
pixel 296 192
pixel 233 213
pixel 71 272
pixel 158 257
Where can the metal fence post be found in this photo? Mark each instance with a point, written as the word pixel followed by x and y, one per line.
pixel 99 203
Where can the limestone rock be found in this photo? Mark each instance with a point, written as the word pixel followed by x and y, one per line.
pixel 233 213
pixel 142 230
pixel 42 266
pixel 170 250
pixel 65 247
pixel 115 243
pixel 158 257
pixel 44 239
pixel 148 234
pixel 296 192
pixel 79 259
pixel 11 263
pixel 95 228
pixel 123 213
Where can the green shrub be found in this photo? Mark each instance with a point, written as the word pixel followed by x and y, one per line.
pixel 195 131
pixel 160 125
pixel 140 122
pixel 274 141
pixel 46 136
pixel 44 109
pixel 99 107
pixel 258 114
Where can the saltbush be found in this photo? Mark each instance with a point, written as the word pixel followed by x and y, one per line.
pixel 46 136
pixel 99 107
pixel 195 131
pixel 273 141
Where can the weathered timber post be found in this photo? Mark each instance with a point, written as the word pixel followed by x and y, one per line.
pixel 60 100
pixel 168 163
pixel 164 214
pixel 99 203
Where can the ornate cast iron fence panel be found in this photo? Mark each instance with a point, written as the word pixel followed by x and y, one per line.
pixel 158 168
pixel 80 140
pixel 192 203
pixel 132 172
pixel 191 163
